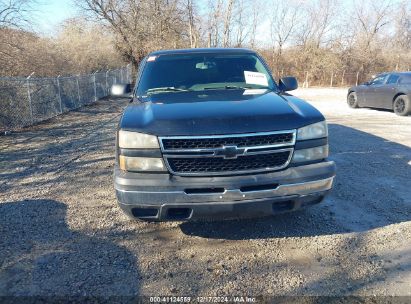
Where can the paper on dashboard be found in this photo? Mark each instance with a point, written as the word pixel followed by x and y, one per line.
pixel 255 78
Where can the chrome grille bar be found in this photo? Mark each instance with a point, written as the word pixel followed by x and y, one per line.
pixel 229 152
pixel 239 136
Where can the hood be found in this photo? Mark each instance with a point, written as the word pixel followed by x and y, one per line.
pixel 217 112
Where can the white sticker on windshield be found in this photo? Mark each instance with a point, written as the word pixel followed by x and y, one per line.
pixel 151 58
pixel 255 78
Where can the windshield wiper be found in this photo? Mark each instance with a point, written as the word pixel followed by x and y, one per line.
pixel 166 89
pixel 228 87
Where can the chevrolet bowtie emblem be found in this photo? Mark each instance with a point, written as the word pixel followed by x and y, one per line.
pixel 230 152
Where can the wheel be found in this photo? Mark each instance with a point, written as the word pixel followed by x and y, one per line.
pixel 402 105
pixel 352 100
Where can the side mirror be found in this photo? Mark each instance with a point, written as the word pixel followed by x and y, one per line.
pixel 121 90
pixel 288 84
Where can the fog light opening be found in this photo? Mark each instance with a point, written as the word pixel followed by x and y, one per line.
pixel 283 206
pixel 144 212
pixel 179 213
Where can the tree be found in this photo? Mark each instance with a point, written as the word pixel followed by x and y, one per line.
pixel 140 26
pixel 24 52
pixel 15 13
pixel 227 23
pixel 192 25
pixel 255 18
pixel 86 47
pixel 214 15
pixel 283 23
pixel 401 40
pixel 370 19
pixel 318 22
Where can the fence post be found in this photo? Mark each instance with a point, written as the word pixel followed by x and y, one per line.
pixel 305 84
pixel 58 87
pixel 95 88
pixel 356 80
pixel 29 96
pixel 332 78
pixel 107 88
pixel 127 78
pixel 342 78
pixel 78 90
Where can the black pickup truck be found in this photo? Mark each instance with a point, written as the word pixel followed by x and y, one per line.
pixel 210 134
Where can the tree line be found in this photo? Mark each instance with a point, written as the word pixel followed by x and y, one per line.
pixel 78 47
pixel 313 40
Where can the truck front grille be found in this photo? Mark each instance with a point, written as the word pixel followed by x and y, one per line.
pixel 219 165
pixel 228 154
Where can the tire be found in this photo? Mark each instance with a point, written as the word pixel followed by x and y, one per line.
pixel 402 105
pixel 352 100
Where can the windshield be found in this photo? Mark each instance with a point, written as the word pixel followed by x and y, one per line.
pixel 200 72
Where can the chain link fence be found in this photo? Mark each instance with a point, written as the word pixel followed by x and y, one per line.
pixel 26 101
pixel 339 78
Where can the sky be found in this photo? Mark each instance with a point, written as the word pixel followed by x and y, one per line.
pixel 50 13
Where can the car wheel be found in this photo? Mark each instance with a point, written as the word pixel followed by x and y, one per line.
pixel 402 105
pixel 352 100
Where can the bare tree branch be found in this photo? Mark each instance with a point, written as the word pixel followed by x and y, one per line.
pixel 15 13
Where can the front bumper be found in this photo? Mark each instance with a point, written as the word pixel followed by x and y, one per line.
pixel 160 197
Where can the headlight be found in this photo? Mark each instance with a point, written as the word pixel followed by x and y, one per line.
pixel 317 130
pixel 141 163
pixel 310 154
pixel 134 140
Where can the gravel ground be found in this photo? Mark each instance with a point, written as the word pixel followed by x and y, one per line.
pixel 62 233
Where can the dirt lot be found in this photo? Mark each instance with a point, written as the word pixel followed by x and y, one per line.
pixel 61 232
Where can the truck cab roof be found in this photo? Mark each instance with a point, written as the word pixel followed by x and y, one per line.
pixel 202 51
